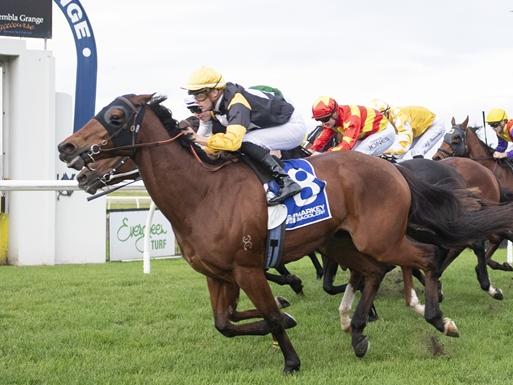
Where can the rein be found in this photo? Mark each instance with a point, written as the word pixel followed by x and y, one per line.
pixel 139 145
pixel 211 169
pixel 132 127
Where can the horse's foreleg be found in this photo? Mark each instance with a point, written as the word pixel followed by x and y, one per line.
pixel 292 280
pixel 482 271
pixel 330 271
pixel 410 296
pixel 223 298
pixel 254 284
pixel 344 309
pixel 493 246
pixel 318 267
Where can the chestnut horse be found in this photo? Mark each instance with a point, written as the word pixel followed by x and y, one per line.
pixel 462 141
pixel 219 216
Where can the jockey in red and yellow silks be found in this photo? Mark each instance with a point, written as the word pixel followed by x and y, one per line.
pixel 354 124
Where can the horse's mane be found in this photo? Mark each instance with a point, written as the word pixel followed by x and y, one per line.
pixel 474 129
pixel 165 116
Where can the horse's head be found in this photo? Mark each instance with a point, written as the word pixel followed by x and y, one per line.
pixel 106 172
pixel 115 126
pixel 455 141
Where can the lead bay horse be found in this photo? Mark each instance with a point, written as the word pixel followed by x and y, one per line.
pixel 462 141
pixel 220 218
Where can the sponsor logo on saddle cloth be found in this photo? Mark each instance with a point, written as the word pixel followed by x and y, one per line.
pixel 308 206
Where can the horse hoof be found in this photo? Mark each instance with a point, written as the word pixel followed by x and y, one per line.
pixel 291 368
pixel 498 295
pixel 290 322
pixel 450 328
pixel 282 302
pixel 507 266
pixel 361 347
pixel 275 344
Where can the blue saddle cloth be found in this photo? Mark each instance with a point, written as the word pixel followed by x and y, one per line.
pixel 311 204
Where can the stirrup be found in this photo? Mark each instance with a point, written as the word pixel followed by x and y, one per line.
pixel 282 195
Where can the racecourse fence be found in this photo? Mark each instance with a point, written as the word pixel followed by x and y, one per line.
pixel 72 185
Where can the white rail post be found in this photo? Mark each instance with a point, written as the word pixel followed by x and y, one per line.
pixel 509 253
pixel 146 250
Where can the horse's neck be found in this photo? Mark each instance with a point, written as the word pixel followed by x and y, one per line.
pixel 175 180
pixel 479 153
pixel 477 150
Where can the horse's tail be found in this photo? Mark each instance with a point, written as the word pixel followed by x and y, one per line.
pixel 452 217
pixel 506 195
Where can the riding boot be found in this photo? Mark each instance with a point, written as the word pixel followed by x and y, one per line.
pixel 287 186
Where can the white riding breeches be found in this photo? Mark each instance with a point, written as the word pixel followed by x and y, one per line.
pixel 284 137
pixel 425 142
pixel 377 143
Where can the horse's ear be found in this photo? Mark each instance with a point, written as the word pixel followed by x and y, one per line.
pixel 465 122
pixel 155 98
pixel 453 121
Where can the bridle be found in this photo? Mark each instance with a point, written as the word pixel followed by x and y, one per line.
pixel 122 135
pixel 106 178
pixel 459 148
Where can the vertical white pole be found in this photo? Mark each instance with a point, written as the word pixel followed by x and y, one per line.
pixel 510 253
pixel 146 251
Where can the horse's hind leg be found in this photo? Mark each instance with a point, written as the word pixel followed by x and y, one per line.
pixel 371 284
pixel 254 284
pixel 482 271
pixel 428 257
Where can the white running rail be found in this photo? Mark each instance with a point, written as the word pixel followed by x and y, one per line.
pixel 60 185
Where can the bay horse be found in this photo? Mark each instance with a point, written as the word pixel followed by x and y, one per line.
pixel 110 171
pixel 220 217
pixel 460 173
pixel 462 141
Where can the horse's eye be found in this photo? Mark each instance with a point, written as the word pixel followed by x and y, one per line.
pixel 116 117
pixel 456 139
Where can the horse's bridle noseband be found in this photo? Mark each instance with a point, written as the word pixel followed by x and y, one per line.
pixel 458 149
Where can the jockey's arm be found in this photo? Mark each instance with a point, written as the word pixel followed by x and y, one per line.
pixel 351 133
pixel 239 118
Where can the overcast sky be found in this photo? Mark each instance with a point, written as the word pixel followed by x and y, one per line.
pixel 454 57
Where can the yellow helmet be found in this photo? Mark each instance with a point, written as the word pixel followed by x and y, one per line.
pixel 380 105
pixel 496 115
pixel 204 77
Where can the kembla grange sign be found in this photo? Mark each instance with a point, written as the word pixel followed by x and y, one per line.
pixel 26 18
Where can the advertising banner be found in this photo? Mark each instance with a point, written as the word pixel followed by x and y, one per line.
pixel 26 18
pixel 126 235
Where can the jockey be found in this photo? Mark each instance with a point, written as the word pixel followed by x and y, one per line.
pixel 362 129
pixel 498 120
pixel 205 118
pixel 251 121
pixel 417 129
